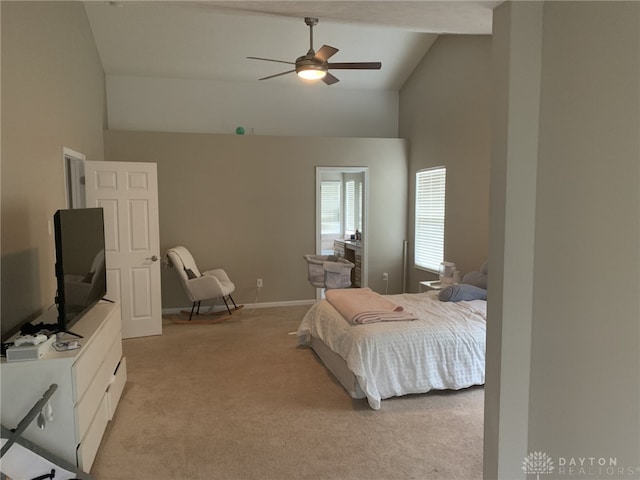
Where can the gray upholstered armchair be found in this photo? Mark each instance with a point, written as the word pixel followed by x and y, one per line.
pixel 200 286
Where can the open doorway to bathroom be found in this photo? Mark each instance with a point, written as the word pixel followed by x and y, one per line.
pixel 342 216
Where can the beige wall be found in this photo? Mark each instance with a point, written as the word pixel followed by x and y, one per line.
pixel 268 108
pixel 585 350
pixel 563 372
pixel 516 98
pixel 247 204
pixel 445 115
pixel 53 96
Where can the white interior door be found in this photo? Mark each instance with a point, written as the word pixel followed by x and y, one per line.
pixel 128 193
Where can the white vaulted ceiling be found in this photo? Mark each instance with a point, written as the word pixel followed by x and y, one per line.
pixel 203 40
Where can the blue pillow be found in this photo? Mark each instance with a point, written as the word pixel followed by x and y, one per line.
pixel 460 292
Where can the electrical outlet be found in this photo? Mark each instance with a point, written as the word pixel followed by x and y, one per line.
pixel 259 283
pixel 385 276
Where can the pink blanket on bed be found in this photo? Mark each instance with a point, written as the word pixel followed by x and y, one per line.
pixel 363 305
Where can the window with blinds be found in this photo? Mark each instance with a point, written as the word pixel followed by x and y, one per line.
pixel 330 207
pixel 360 204
pixel 353 206
pixel 429 218
pixel 350 207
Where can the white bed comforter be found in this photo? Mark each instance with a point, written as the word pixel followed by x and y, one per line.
pixel 443 349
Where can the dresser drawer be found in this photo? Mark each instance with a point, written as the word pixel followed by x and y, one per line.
pixel 86 407
pixel 91 358
pixel 117 386
pixel 91 441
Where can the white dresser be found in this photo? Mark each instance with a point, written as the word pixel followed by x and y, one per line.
pixel 90 382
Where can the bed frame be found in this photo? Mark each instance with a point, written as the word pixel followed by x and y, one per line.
pixel 338 367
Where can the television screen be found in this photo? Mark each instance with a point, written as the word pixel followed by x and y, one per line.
pixel 80 263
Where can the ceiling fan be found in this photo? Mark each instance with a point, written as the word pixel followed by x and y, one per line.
pixel 314 65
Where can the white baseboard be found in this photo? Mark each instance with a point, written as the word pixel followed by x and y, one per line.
pixel 219 308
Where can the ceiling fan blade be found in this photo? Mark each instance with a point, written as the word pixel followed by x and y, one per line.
pixel 276 75
pixel 270 60
pixel 329 79
pixel 325 53
pixel 355 66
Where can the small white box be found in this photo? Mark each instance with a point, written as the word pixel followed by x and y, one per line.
pixel 29 352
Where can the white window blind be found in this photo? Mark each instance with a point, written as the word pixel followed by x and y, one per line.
pixel 330 207
pixel 349 207
pixel 360 204
pixel 429 219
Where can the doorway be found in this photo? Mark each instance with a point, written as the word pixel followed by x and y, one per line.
pixel 128 194
pixel 342 200
pixel 74 178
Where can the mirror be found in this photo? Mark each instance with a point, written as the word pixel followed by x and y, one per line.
pixel 341 216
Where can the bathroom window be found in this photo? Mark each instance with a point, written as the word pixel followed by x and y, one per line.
pixel 330 192
pixel 353 206
pixel 350 207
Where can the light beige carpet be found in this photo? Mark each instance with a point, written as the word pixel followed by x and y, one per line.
pixel 238 400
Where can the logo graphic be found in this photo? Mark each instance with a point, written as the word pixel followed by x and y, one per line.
pixel 537 463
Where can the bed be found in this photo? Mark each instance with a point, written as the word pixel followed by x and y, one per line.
pixel 443 349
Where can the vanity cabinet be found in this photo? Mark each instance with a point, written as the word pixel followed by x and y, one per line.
pixel 90 382
pixel 351 250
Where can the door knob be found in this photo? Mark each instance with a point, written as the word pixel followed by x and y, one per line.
pixel 153 258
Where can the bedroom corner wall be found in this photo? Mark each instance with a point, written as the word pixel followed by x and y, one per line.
pixel 53 96
pixel 584 364
pixel 445 114
pixel 516 52
pixel 585 361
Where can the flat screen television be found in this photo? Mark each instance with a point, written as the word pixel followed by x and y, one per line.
pixel 81 273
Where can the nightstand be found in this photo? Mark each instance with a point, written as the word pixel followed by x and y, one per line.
pixel 431 285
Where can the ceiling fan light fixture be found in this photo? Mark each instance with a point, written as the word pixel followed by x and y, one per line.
pixel 312 72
